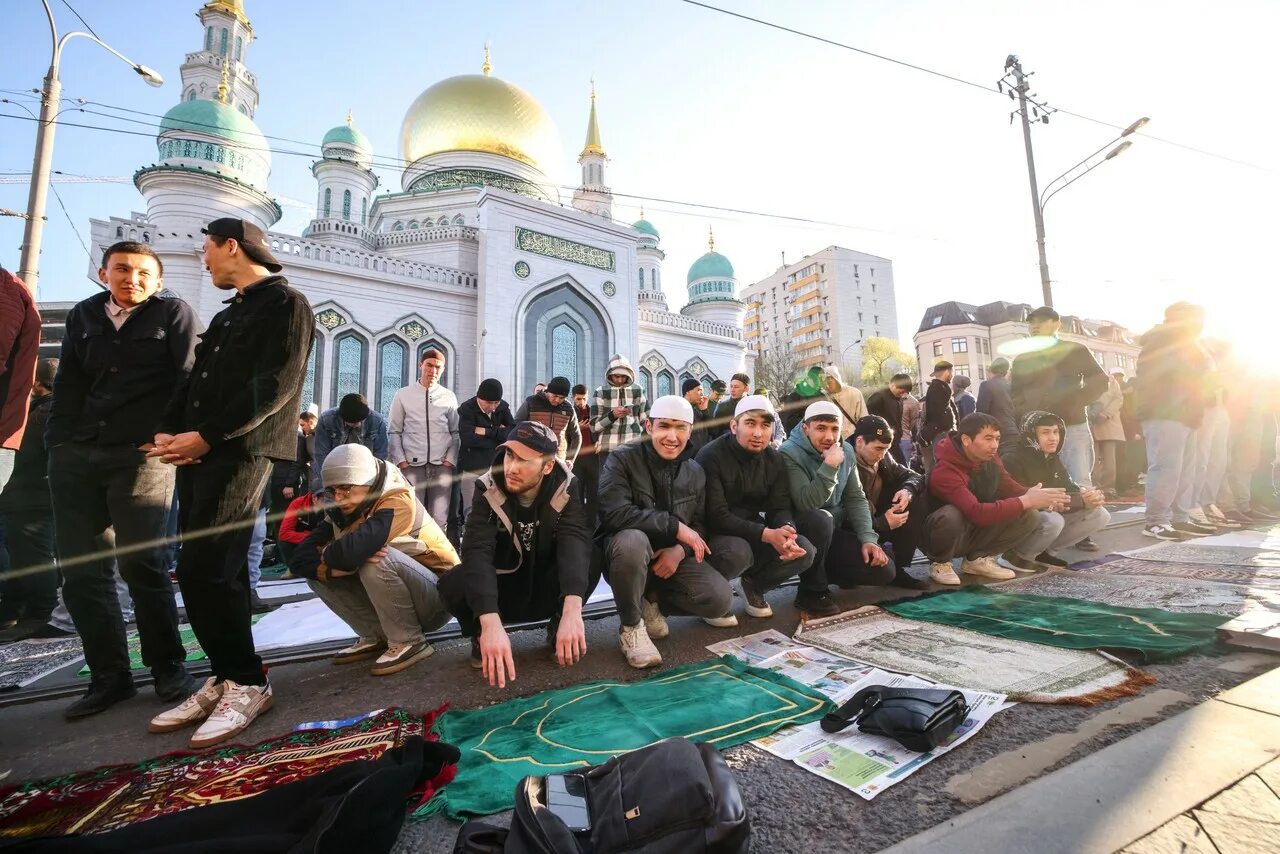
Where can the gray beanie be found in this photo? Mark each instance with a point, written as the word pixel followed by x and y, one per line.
pixel 349 465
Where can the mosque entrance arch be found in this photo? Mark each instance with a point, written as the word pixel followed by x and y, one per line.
pixel 563 333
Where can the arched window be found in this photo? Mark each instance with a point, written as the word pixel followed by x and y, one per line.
pixel 641 272
pixel 191 94
pixel 348 373
pixel 392 372
pixel 328 200
pixel 444 220
pixel 119 232
pixel 564 352
pixel 310 381
pixel 458 220
pixel 346 204
pixel 208 39
pixel 653 278
pixel 666 383
pixel 364 216
pixel 239 47
pixel 413 225
pixel 222 49
pixel 447 379
pixel 646 381
pixel 399 226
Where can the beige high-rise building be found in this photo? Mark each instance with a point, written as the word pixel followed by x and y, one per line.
pixel 822 307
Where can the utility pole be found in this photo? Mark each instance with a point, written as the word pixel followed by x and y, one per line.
pixel 1013 67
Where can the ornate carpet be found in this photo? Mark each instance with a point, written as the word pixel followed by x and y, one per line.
pixel 723 702
pixel 119 795
pixel 1026 672
pixel 1211 555
pixel 1062 622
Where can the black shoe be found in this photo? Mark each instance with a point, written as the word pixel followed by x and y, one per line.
pixel 476 660
pixel 104 692
pixel 757 605
pixel 1046 558
pixel 1088 545
pixel 816 603
pixel 258 605
pixel 1238 517
pixel 1257 514
pixel 49 631
pixel 1193 529
pixel 25 628
pixel 1023 564
pixel 902 578
pixel 174 685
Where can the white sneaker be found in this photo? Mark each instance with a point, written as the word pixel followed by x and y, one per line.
pixel 1219 519
pixel 728 621
pixel 360 650
pixel 987 568
pixel 1200 518
pixel 1163 532
pixel 637 647
pixel 190 711
pixel 654 623
pixel 240 706
pixel 943 573
pixel 401 655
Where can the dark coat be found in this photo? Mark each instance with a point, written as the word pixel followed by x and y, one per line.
pixel 996 399
pixel 1063 378
pixel 28 486
pixel 1029 465
pixel 701 433
pixel 741 486
pixel 245 389
pixel 476 449
pixel 19 347
pixel 1171 382
pixel 894 477
pixel 641 491
pixel 882 402
pixel 940 413
pixel 792 406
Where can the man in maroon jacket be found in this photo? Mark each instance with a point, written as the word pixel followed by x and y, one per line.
pixel 979 510
pixel 19 345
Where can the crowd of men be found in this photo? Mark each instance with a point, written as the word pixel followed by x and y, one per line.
pixel 149 430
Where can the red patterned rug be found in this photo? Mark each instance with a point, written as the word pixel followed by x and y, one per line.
pixel 119 795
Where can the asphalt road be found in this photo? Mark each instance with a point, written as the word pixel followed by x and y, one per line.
pixel 791 809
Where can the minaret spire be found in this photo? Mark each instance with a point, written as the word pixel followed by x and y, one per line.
pixel 223 87
pixel 488 66
pixel 711 239
pixel 593 144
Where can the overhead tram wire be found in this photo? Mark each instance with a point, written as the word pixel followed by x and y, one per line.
pixel 81 18
pixel 952 78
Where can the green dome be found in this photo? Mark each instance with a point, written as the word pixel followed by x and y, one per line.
pixel 645 226
pixel 713 265
pixel 347 135
pixel 213 118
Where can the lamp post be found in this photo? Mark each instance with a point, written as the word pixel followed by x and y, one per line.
pixel 50 95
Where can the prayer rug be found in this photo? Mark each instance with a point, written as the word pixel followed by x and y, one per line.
pixel 1062 622
pixel 1026 672
pixel 26 661
pixel 723 703
pixel 119 795
pixel 189 643
pixel 1210 555
pixel 1257 577
pixel 1167 593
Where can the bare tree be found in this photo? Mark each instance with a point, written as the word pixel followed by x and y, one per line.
pixel 776 368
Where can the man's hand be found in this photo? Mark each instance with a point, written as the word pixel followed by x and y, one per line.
pixel 620 412
pixel 479 431
pixel 571 637
pixel 403 465
pixel 180 450
pixel 666 561
pixel 902 500
pixel 1093 498
pixel 446 463
pixel 1040 498
pixel 793 551
pixel 834 456
pixel 873 555
pixel 691 538
pixel 896 519
pixel 780 539
pixel 495 652
pixel 287 492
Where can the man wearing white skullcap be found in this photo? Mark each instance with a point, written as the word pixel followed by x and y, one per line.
pixel 660 557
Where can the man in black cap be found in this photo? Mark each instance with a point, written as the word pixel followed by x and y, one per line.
pixel 124 353
pixel 552 408
pixel 526 555
pixel 940 416
pixel 895 495
pixel 995 399
pixel 234 415
pixel 351 422
pixel 483 424
pixel 700 434
pixel 887 402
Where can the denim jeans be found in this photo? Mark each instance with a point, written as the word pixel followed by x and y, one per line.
pixel 433 485
pixel 1171 462
pixel 110 507
pixel 1211 457
pixel 61 617
pixel 394 599
pixel 1077 454
pixel 1060 530
pixel 696 589
pixel 255 548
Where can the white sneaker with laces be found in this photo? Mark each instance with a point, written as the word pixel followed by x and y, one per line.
pixel 398 656
pixel 943 573
pixel 654 623
pixel 1163 532
pixel 240 706
pixel 728 621
pixel 190 711
pixel 987 567
pixel 637 647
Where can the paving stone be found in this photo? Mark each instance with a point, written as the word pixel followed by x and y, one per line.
pixel 1180 836
pixel 1270 774
pixel 1234 835
pixel 1250 798
pixel 1261 693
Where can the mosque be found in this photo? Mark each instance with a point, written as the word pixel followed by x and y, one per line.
pixel 475 254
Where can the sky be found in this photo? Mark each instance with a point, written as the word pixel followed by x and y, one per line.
pixel 698 107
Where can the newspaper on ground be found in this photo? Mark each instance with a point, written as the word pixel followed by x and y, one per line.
pixel 865 764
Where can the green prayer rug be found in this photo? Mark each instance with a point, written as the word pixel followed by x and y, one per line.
pixel 1063 622
pixel 723 703
pixel 194 651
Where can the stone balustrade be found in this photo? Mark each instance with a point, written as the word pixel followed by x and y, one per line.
pixel 411 237
pixel 689 324
pixel 289 245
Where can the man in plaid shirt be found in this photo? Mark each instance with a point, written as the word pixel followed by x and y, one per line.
pixel 618 412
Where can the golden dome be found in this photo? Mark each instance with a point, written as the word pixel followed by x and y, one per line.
pixel 478 112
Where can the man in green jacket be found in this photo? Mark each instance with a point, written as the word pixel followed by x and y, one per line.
pixel 831 508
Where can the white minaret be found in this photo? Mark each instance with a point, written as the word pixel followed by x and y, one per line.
pixel 345 185
pixel 227 34
pixel 649 265
pixel 593 196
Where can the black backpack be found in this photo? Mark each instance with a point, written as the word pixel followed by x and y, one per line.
pixel 673 797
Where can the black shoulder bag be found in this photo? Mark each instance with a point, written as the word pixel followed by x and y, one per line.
pixel 917 718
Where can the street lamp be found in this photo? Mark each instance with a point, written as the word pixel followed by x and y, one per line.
pixel 50 96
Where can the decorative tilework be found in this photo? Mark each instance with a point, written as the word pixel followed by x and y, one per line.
pixel 565 250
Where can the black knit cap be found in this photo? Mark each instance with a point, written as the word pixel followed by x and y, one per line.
pixel 490 390
pixel 559 385
pixel 353 408
pixel 689 385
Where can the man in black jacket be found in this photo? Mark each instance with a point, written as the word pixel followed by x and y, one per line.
pixel 895 495
pixel 887 403
pixel 483 424
pixel 526 555
pixel 660 558
pixel 748 497
pixel 225 425
pixel 996 399
pixel 696 396
pixel 1061 377
pixel 124 353
pixel 940 414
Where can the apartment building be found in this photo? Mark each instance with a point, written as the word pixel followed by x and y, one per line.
pixel 822 307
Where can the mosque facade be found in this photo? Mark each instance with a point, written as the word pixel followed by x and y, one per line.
pixel 476 253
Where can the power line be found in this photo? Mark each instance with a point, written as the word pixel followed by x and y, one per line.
pixel 81 17
pixel 71 222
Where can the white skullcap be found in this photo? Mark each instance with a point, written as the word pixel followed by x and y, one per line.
pixel 671 406
pixel 753 402
pixel 349 465
pixel 823 408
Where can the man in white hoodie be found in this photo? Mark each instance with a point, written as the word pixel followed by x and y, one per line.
pixel 423 436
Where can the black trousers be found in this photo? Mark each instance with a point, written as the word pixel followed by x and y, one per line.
pixel 28 592
pixel 218 501
pixel 110 507
pixel 846 568
pixel 587 469
pixel 544 604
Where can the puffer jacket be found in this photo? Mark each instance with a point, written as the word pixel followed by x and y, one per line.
pixel 561 420
pixel 641 491
pixel 392 517
pixel 816 485
pixel 1029 465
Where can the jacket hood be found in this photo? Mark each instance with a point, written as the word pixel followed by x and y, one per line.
pixel 1040 418
pixel 798 440
pixel 619 365
pixel 832 372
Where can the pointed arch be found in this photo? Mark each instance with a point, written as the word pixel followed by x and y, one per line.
pixel 561 302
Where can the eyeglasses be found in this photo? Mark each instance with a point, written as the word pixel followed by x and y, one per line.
pixel 342 489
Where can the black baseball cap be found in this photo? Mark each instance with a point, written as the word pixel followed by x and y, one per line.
pixel 873 428
pixel 529 439
pixel 251 239
pixel 1044 312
